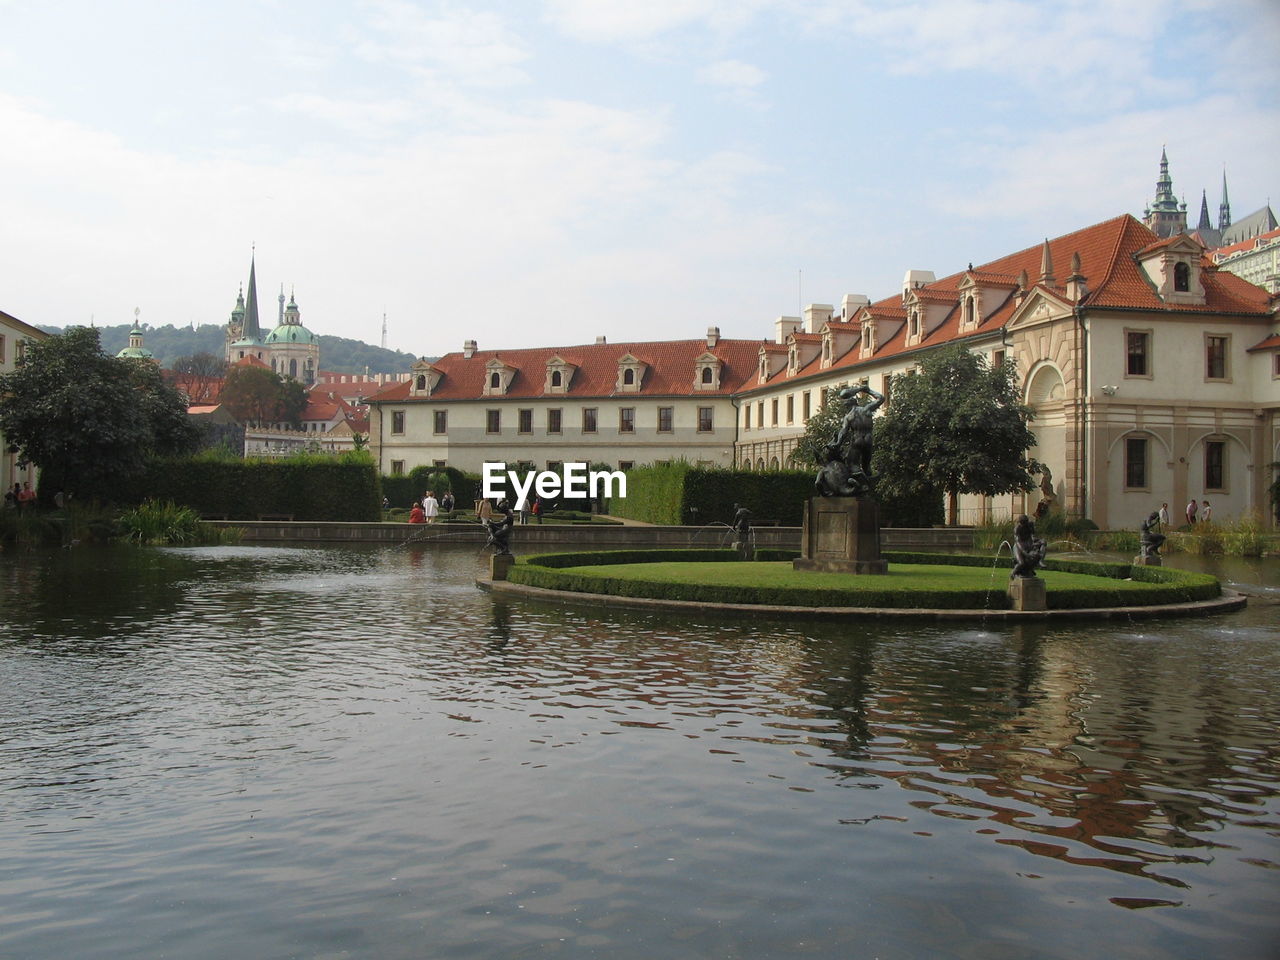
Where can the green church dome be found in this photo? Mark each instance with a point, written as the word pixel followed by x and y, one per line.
pixel 291 333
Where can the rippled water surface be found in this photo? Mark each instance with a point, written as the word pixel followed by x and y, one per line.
pixel 273 753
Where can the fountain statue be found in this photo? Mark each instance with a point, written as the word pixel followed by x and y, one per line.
pixel 847 471
pixel 1149 544
pixel 1028 549
pixel 500 530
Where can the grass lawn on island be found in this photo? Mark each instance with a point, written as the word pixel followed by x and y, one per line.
pixel 905 585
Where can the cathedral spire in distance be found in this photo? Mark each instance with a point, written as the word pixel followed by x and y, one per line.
pixel 252 329
pixel 1224 208
pixel 1205 223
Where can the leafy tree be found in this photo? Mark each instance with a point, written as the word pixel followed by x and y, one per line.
pixel 820 430
pixel 255 394
pixel 87 420
pixel 957 426
pixel 200 375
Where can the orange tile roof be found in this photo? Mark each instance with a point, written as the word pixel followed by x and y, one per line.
pixel 671 370
pixel 1271 343
pixel 1113 276
pixel 1248 244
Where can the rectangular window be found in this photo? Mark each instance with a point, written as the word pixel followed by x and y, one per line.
pixel 553 421
pixel 439 463
pixel 1215 455
pixel 397 468
pixel 760 414
pixel 524 421
pixel 706 416
pixel 555 466
pixel 804 406
pixel 588 419
pixel 822 398
pixel 1135 463
pixel 1215 355
pixel 493 421
pixel 997 359
pixel 746 412
pixel 625 465
pixel 397 421
pixel 773 410
pixel 627 420
pixel 791 408
pixel 886 386
pixel 440 421
pixel 1275 363
pixel 1137 347
pixel 1 349
pixel 666 419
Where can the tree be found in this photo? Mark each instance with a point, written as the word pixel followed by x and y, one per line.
pixel 199 376
pixel 256 394
pixel 957 426
pixel 820 431
pixel 88 420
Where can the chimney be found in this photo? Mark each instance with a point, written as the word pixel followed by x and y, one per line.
pixel 815 315
pixel 713 337
pixel 601 339
pixel 784 327
pixel 468 348
pixel 852 303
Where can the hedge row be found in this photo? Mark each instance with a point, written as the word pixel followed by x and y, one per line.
pixel 1131 586
pixel 403 489
pixel 318 488
pixel 678 493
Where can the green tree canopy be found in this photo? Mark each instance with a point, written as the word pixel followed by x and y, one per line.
pixel 256 394
pixel 88 420
pixel 957 426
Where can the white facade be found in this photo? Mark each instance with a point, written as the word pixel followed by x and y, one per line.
pixel 13 334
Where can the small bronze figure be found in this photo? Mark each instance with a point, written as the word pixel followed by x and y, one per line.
pixel 1149 545
pixel 741 522
pixel 1028 549
pixel 500 530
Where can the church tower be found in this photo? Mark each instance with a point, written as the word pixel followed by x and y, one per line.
pixel 247 341
pixel 1165 215
pixel 1224 208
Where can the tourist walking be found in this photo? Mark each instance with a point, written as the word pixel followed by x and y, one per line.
pixel 1191 512
pixel 430 507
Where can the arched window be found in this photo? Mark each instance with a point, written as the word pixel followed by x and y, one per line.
pixel 1181 277
pixel 968 311
pixel 556 378
pixel 760 464
pixel 422 381
pixel 293 369
pixel 773 463
pixel 628 376
pixel 915 323
pixel 706 374
pixel 495 380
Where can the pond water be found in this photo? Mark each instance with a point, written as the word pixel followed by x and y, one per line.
pixel 349 752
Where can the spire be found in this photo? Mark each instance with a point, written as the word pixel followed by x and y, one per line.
pixel 1224 208
pixel 1165 216
pixel 1164 183
pixel 1046 266
pixel 252 330
pixel 1204 223
pixel 280 311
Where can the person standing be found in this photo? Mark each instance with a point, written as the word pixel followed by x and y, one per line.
pixel 1206 512
pixel 27 496
pixel 1191 512
pixel 522 508
pixel 1164 515
pixel 430 507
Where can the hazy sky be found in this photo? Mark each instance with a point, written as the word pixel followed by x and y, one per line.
pixel 527 173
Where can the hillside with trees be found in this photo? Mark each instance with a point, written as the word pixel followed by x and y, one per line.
pixel 169 343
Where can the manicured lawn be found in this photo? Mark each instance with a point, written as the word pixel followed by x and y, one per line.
pixel 905 585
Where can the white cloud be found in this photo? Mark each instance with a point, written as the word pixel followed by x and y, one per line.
pixel 463 45
pixel 362 118
pixel 741 80
pixel 631 22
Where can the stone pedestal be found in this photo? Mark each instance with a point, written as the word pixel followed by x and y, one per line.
pixel 1027 593
pixel 1148 561
pixel 499 564
pixel 744 550
pixel 841 535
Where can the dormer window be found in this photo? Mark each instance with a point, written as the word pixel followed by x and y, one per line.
pixel 707 372
pixel 425 378
pixel 793 359
pixel 559 375
pixel 1181 277
pixel 498 378
pixel 913 325
pixel 630 374
pixel 970 315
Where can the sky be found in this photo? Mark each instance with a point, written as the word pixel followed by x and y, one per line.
pixel 532 173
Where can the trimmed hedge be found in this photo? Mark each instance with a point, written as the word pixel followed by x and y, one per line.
pixel 1122 585
pixel 324 489
pixel 402 489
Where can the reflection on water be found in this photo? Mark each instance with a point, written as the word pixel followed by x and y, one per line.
pixel 354 752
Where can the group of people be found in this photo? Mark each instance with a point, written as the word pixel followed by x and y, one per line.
pixel 20 496
pixel 1199 512
pixel 428 508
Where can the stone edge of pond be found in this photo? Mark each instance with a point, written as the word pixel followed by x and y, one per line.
pixel 1228 602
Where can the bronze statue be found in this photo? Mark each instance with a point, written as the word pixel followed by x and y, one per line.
pixel 1149 545
pixel 741 522
pixel 500 530
pixel 847 471
pixel 1028 549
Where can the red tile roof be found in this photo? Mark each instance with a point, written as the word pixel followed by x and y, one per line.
pixel 1108 262
pixel 1243 245
pixel 671 370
